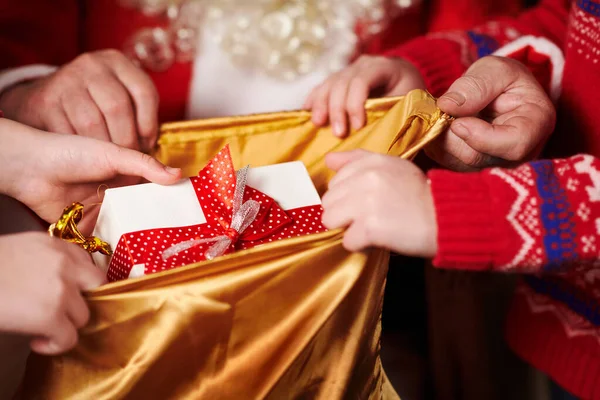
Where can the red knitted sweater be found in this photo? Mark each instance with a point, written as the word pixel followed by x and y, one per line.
pixel 543 218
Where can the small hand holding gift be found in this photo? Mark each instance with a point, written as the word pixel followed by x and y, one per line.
pixel 155 228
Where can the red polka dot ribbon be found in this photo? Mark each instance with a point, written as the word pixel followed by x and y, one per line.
pixel 225 230
pixel 243 215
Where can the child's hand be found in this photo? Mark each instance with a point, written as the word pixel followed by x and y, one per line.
pixel 48 172
pixel 41 279
pixel 341 98
pixel 384 202
pixel 504 117
pixel 101 95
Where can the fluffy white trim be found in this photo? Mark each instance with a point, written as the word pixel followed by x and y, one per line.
pixel 545 47
pixel 13 76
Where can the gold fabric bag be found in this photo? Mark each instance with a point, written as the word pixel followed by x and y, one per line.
pixel 295 319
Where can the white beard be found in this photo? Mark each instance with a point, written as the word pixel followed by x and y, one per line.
pixel 220 88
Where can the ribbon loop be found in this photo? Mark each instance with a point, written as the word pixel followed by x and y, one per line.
pixel 243 215
pixel 232 234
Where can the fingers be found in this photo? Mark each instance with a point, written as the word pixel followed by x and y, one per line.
pixel 350 92
pixel 84 116
pixel 358 93
pixel 355 238
pixel 514 116
pixel 500 140
pixel 88 275
pixel 320 102
pixel 62 337
pixel 336 212
pixel 454 153
pixel 336 161
pixel 76 273
pixel 480 85
pixel 57 122
pixel 145 98
pixel 347 165
pixel 308 103
pixel 82 160
pixel 116 106
pixel 129 162
pixel 337 104
pixel 513 136
pixel 341 98
pixel 78 311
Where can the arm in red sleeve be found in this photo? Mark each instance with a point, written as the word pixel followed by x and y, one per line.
pixel 541 217
pixel 444 57
pixel 38 32
pixel 416 18
pixel 445 15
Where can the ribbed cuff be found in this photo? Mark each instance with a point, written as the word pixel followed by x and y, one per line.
pixel 13 76
pixel 463 207
pixel 438 60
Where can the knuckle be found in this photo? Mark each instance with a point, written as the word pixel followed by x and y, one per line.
pixel 86 60
pixel 47 317
pixel 116 106
pixel 371 222
pixel 511 68
pixel 147 159
pixel 508 66
pixel 471 158
pixel 90 121
pixel 145 89
pixel 129 141
pixel 520 152
pixel 363 59
pixel 61 260
pixel 373 183
pixel 71 341
pixel 44 98
pixel 504 63
pixel 111 54
pixel 60 286
pixel 476 84
pixel 85 317
pixel 355 107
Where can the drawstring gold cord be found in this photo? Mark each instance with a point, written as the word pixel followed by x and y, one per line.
pixel 66 229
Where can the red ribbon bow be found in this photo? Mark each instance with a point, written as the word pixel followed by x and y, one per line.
pixel 215 188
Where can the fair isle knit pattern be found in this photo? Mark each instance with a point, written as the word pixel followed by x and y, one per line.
pixel 541 219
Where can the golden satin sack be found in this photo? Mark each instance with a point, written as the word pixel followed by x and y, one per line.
pixel 291 318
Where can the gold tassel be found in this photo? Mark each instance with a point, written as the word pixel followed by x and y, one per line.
pixel 66 229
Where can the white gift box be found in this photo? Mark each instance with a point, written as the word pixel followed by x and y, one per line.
pixel 151 206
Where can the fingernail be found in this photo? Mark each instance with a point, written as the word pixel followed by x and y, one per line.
pixel 459 130
pixel 52 347
pixel 455 97
pixel 172 171
pixel 356 123
pixel 317 116
pixel 338 129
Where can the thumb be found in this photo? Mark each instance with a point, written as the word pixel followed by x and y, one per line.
pixel 487 79
pixel 336 161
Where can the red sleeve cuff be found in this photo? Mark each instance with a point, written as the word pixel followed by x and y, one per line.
pixel 463 205
pixel 438 60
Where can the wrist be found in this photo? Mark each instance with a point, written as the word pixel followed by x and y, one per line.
pixel 466 237
pixel 431 227
pixel 12 99
pixel 13 153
